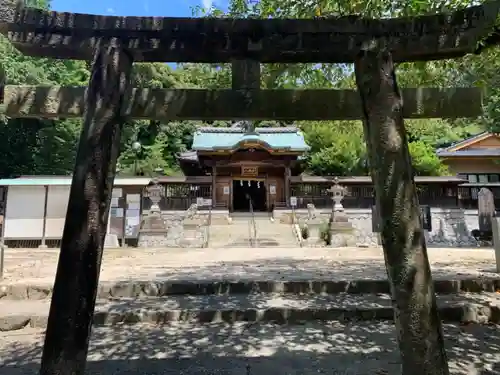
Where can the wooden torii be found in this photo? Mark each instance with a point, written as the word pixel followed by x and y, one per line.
pixel 113 44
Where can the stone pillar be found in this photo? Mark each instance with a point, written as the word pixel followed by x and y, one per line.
pixel 75 289
pixel 111 240
pixel 287 185
pixel 214 185
pixel 43 245
pixel 2 239
pixel 496 240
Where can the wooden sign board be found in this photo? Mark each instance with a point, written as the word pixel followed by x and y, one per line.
pixel 248 171
pixel 425 216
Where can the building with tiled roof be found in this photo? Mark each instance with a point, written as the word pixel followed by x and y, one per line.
pixel 476 159
pixel 246 163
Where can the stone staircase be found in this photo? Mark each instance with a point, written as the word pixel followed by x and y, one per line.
pixel 274 233
pixel 239 233
pixel 248 323
pixel 280 302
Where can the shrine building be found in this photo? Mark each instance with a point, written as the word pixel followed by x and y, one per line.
pixel 246 164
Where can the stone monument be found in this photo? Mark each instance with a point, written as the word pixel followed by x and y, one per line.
pixel 485 209
pixel 111 240
pixel 343 232
pixel 153 230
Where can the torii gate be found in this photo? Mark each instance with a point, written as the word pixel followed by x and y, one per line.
pixel 114 43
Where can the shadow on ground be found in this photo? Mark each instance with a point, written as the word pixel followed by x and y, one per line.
pixel 246 349
pixel 290 269
pixel 264 349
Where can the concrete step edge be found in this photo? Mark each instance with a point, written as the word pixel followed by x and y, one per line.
pixel 460 312
pixel 158 288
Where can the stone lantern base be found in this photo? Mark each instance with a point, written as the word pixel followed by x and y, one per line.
pixel 153 231
pixel 343 232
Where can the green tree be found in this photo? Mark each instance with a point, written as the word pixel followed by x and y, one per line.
pixel 337 148
pixel 337 153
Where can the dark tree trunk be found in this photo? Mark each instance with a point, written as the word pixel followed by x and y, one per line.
pixel 418 325
pixel 77 277
pixel 3 82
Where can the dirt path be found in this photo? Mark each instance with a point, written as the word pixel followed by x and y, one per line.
pixel 38 266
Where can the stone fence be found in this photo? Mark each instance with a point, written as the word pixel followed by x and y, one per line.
pixel 450 227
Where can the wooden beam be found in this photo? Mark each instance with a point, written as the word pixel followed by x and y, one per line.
pixel 245 75
pixel 77 276
pixel 280 105
pixel 74 36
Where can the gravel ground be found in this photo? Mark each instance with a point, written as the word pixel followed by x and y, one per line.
pixel 258 349
pixel 38 266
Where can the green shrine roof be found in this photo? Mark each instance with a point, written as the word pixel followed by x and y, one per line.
pixel 288 138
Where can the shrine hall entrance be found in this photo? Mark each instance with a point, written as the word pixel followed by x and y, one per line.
pixel 245 190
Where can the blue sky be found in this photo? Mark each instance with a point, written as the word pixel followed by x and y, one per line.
pixel 163 8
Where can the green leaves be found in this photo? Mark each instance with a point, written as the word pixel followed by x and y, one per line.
pixel 48 147
pixel 424 160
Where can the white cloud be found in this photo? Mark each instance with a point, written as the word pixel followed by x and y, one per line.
pixel 110 10
pixel 146 6
pixel 207 4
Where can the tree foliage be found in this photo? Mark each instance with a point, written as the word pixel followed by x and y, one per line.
pixel 31 146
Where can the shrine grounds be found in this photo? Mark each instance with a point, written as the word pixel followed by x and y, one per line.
pixel 37 266
pixel 346 346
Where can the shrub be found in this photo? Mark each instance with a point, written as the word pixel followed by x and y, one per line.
pixel 325 234
pixel 304 232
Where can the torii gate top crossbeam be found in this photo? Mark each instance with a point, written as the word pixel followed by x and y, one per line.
pixel 74 36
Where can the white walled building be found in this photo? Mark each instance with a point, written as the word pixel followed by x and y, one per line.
pixel 26 199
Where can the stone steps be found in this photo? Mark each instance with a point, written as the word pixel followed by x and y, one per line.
pixel 238 234
pixel 235 234
pixel 276 233
pixel 157 288
pixel 275 308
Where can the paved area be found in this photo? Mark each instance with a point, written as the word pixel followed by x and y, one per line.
pixel 246 349
pixel 38 266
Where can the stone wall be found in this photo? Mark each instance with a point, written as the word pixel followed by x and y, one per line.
pixel 450 227
pixel 183 230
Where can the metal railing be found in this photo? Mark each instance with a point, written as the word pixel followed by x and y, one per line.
pixel 252 226
pixel 208 225
pixel 294 224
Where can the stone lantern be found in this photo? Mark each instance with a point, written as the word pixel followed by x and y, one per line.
pixel 153 232
pixel 338 193
pixel 155 192
pixel 339 222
